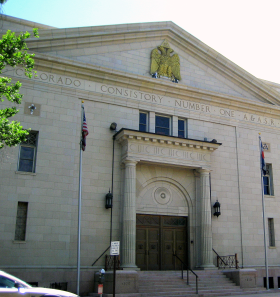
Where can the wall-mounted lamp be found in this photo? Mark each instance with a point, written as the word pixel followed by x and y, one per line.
pixel 217 207
pixel 32 107
pixel 109 200
pixel 113 126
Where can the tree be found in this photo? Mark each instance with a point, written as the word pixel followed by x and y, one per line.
pixel 2 2
pixel 13 52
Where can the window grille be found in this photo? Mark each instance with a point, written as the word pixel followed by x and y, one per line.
pixel 27 153
pixel 21 220
pixel 268 181
pixel 182 128
pixel 143 122
pixel 271 233
pixel 162 125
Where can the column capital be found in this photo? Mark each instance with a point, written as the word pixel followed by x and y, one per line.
pixel 131 162
pixel 196 173
pixel 204 171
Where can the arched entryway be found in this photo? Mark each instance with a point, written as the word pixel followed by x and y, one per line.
pixel 162 225
pixel 176 154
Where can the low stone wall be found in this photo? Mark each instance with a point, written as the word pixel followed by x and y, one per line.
pixel 245 278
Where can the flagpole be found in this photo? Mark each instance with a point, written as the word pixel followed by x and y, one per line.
pixel 79 206
pixel 263 210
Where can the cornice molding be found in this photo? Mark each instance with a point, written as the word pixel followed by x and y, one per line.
pixel 154 148
pixel 24 22
pixel 127 134
pixel 100 74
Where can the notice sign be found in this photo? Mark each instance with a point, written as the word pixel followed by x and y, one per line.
pixel 115 248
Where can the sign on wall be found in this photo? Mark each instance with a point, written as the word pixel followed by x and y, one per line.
pixel 115 248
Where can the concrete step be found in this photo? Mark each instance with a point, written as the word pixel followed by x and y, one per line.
pixel 185 287
pixel 169 283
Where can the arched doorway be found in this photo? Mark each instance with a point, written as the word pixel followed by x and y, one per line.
pixel 162 219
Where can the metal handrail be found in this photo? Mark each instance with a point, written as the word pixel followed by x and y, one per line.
pixel 101 255
pixel 219 256
pixel 188 269
pixel 226 263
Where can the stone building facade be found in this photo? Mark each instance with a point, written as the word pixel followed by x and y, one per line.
pixel 181 144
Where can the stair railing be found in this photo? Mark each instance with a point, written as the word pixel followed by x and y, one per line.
pixel 188 269
pixel 229 261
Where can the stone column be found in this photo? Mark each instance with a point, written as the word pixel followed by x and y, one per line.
pixel 128 243
pixel 206 229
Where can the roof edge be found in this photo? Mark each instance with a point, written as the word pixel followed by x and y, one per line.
pixel 25 22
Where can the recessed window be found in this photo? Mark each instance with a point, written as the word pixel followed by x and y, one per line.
pixel 162 125
pixel 143 122
pixel 271 233
pixel 182 128
pixel 27 153
pixel 20 231
pixel 268 181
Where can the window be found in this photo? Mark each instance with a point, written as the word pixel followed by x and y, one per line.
pixel 182 128
pixel 268 181
pixel 143 122
pixel 271 233
pixel 21 221
pixel 162 125
pixel 27 153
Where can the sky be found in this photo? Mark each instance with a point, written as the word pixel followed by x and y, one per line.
pixel 244 31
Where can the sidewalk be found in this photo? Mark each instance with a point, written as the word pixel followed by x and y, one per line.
pixel 269 293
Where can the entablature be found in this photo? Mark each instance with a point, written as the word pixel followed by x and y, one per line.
pixel 150 147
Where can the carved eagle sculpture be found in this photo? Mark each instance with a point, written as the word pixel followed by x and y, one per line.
pixel 162 64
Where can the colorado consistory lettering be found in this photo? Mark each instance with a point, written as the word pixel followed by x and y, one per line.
pixel 52 78
pixel 151 98
pixel 131 94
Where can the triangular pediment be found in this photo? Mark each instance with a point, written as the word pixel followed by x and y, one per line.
pixel 127 49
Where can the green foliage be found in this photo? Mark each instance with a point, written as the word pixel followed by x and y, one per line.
pixel 13 52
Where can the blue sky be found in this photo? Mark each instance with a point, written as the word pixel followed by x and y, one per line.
pixel 244 31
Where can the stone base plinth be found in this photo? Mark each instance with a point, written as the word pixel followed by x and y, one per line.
pixel 245 278
pixel 126 282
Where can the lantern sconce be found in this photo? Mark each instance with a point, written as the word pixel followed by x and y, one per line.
pixel 217 207
pixel 32 107
pixel 109 200
pixel 113 126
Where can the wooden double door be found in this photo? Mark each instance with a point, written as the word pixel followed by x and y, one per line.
pixel 157 239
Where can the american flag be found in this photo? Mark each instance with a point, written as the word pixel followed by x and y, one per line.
pixel 84 132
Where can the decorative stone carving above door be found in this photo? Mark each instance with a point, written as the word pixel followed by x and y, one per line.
pixel 162 197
